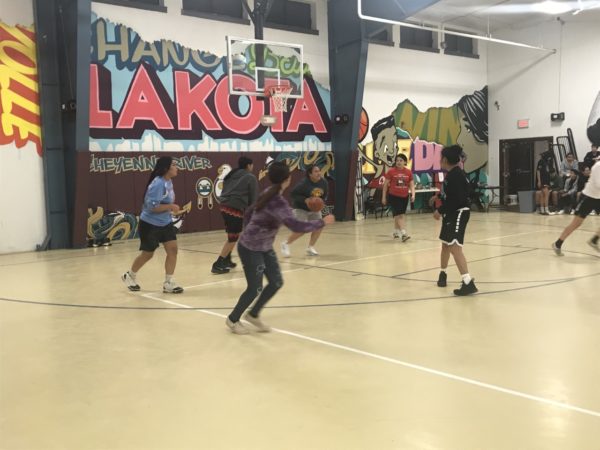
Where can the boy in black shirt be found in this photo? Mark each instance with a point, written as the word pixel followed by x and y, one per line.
pixel 455 213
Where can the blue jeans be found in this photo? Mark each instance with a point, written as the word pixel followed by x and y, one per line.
pixel 256 265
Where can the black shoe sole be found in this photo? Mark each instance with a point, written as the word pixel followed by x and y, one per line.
pixel 219 271
pixel 460 293
pixel 442 284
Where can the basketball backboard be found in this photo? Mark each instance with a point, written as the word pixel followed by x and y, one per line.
pixel 254 65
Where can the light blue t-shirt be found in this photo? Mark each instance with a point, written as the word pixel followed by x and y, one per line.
pixel 160 191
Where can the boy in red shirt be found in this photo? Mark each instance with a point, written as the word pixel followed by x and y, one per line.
pixel 396 189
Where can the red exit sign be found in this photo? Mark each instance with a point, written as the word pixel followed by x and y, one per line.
pixel 523 123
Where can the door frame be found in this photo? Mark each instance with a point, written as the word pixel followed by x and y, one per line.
pixel 502 143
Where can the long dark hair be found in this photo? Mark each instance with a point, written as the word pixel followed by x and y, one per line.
pixel 278 173
pixel 475 109
pixel 161 167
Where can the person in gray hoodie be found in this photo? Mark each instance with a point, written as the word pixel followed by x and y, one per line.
pixel 240 189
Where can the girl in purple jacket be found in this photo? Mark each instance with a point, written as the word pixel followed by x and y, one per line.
pixel 261 223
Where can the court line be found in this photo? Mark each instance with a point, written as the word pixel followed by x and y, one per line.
pixel 320 305
pixel 512 235
pixel 418 367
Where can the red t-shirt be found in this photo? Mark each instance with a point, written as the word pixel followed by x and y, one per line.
pixel 399 181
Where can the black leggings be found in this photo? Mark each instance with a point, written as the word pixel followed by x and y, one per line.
pixel 257 264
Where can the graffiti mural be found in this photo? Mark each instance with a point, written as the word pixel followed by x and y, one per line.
pixel 161 96
pixel 422 135
pixel 117 181
pixel 19 91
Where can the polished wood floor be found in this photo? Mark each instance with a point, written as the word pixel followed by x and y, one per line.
pixel 367 353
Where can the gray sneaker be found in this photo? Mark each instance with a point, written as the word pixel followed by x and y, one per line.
pixel 259 324
pixel 405 237
pixel 237 327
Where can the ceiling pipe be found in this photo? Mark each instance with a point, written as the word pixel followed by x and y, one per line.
pixel 488 38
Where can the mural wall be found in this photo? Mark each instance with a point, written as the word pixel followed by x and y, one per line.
pixel 421 136
pixel 21 167
pixel 162 96
pixel 117 182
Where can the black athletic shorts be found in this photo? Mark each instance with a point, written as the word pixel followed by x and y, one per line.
pixel 234 222
pixel 151 236
pixel 398 204
pixel 586 205
pixel 454 226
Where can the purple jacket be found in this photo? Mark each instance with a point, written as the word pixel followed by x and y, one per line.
pixel 260 227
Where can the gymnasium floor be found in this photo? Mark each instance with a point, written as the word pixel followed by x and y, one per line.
pixel 367 353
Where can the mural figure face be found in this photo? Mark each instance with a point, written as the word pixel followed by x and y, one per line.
pixel 385 141
pixel 473 136
pixel 386 146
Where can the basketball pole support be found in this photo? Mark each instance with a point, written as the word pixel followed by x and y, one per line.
pixel 348 49
pixel 258 17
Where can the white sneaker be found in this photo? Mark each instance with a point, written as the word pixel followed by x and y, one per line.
pixel 396 234
pixel 311 251
pixel 130 282
pixel 572 213
pixel 561 212
pixel 170 287
pixel 237 327
pixel 405 237
pixel 557 250
pixel 593 213
pixel 285 250
pixel 259 324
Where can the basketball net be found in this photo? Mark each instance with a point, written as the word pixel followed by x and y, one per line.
pixel 280 94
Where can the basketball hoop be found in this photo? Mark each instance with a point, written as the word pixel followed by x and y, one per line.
pixel 280 94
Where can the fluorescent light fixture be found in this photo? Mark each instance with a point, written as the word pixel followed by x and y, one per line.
pixel 551 7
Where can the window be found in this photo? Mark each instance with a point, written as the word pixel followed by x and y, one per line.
pixel 418 39
pixel 224 10
pixel 151 5
pixel 292 16
pixel 460 46
pixel 381 34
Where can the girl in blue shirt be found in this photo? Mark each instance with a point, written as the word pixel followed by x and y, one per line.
pixel 156 225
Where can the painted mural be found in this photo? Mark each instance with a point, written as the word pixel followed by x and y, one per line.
pixel 117 182
pixel 162 96
pixel 421 136
pixel 19 91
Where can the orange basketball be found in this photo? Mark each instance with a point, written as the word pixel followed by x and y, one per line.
pixel 364 125
pixel 315 204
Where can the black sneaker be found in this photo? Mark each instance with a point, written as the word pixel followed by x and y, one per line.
pixel 229 263
pixel 219 268
pixel 442 279
pixel 466 289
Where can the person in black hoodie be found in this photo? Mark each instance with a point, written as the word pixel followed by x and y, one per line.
pixel 240 189
pixel 455 213
pixel 314 185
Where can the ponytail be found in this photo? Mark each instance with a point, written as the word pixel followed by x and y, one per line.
pixel 278 173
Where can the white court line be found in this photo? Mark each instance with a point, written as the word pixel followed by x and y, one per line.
pixel 510 235
pixel 398 362
pixel 306 267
